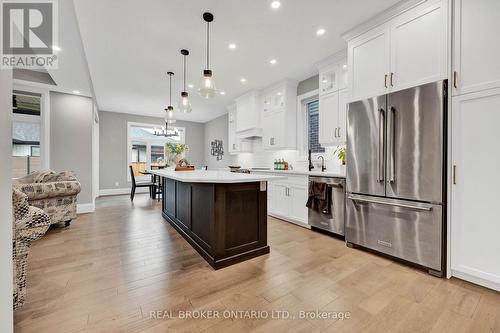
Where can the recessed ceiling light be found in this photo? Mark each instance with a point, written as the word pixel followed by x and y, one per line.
pixel 344 66
pixel 191 86
pixel 56 48
pixel 232 46
pixel 273 61
pixel 222 92
pixel 76 92
pixel 320 32
pixel 275 4
pixel 243 80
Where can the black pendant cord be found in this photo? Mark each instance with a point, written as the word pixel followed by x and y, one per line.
pixel 170 91
pixel 184 73
pixel 208 45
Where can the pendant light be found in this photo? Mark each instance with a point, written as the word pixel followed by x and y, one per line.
pixel 169 117
pixel 207 87
pixel 184 104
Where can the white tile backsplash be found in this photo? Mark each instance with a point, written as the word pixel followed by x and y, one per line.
pixel 293 157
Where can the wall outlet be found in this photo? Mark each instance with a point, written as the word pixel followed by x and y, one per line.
pixel 117 184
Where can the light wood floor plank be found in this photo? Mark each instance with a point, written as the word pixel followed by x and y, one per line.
pixel 112 269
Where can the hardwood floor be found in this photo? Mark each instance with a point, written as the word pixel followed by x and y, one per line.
pixel 110 269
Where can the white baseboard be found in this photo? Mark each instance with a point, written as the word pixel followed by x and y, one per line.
pixel 300 224
pixel 120 191
pixel 85 208
pixel 476 279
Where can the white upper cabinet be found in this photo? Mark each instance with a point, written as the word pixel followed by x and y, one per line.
pixel 419 46
pixel 342 118
pixel 407 50
pixel 333 118
pixel 279 114
pixel 235 144
pixel 368 60
pixel 247 112
pixel 328 80
pixel 328 119
pixel 332 99
pixel 476 51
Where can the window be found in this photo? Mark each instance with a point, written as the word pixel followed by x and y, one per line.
pixel 145 149
pixel 26 133
pixel 313 127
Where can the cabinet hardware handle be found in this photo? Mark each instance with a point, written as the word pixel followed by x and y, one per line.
pixel 424 207
pixel 335 134
pixel 385 80
pixel 392 75
pixel 454 175
pixel 455 76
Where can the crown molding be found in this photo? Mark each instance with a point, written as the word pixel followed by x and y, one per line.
pixel 332 59
pixel 381 18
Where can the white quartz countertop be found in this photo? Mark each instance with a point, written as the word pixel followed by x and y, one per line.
pixel 301 172
pixel 212 176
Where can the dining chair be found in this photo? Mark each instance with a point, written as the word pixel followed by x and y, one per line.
pixel 135 184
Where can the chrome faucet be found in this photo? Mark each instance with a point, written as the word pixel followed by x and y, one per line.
pixel 323 167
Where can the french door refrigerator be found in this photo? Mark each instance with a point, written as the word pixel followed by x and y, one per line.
pixel 396 174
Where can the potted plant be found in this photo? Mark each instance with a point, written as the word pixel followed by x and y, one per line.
pixel 175 152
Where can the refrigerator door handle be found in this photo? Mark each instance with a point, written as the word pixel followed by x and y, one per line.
pixel 423 207
pixel 381 130
pixel 391 138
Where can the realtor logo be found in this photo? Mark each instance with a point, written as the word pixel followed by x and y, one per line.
pixel 29 31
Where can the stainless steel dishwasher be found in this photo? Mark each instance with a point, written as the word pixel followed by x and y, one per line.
pixel 332 218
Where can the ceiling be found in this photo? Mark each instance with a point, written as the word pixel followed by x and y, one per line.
pixel 130 46
pixel 72 73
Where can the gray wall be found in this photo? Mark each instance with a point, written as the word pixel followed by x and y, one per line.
pixel 6 321
pixel 217 129
pixel 308 85
pixel 71 139
pixel 113 165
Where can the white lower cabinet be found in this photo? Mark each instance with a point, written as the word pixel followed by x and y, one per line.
pixel 475 223
pixel 297 197
pixel 280 206
pixel 287 199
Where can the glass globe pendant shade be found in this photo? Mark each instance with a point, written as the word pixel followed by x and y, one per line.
pixel 207 89
pixel 169 116
pixel 184 104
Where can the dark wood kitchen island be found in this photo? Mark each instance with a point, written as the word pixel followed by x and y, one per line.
pixel 222 215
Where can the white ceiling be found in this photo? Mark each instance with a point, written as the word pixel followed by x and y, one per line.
pixel 130 45
pixel 72 73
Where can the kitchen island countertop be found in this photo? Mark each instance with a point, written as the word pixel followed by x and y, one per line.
pixel 212 176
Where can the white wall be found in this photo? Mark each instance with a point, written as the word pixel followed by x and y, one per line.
pixel 71 122
pixel 6 315
pixel 217 129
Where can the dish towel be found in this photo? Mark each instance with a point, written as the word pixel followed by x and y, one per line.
pixel 318 197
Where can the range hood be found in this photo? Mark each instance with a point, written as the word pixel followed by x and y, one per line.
pixel 250 134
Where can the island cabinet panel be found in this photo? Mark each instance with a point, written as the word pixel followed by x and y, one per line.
pixel 202 214
pixel 239 210
pixel 183 204
pixel 225 222
pixel 169 203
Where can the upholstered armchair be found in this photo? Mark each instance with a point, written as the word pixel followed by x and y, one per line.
pixel 54 193
pixel 30 224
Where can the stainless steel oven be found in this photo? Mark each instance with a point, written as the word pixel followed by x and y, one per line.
pixel 332 218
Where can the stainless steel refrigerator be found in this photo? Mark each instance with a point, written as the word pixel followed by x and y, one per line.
pixel 396 152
